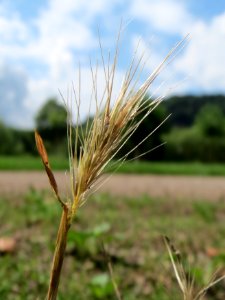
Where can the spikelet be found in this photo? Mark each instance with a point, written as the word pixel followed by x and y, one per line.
pixel 44 156
pixel 94 147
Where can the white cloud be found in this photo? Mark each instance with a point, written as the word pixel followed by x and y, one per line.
pixel 84 10
pixel 45 89
pixel 168 16
pixel 13 91
pixel 60 30
pixel 166 82
pixel 199 67
pixel 12 30
pixel 204 57
pixel 14 34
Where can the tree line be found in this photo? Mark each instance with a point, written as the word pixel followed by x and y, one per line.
pixel 195 131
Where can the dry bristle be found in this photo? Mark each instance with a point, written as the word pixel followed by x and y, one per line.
pixel 110 128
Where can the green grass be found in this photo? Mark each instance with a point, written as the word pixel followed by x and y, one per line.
pixel 31 163
pixel 131 230
pixel 172 168
pixel 135 167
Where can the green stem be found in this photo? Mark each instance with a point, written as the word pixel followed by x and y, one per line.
pixel 59 254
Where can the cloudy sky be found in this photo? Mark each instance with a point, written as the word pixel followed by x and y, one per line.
pixel 42 44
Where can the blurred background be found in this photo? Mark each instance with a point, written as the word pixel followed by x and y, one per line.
pixel 177 189
pixel 43 44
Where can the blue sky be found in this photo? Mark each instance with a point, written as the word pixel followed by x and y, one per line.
pixel 42 43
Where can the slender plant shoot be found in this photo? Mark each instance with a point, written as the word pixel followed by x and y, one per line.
pixel 92 148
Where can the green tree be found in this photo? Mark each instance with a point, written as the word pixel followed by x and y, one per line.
pixel 148 125
pixel 51 122
pixel 6 146
pixel 204 141
pixel 11 143
pixel 51 115
pixel 184 109
pixel 210 120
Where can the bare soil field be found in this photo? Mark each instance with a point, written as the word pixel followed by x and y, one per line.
pixel 188 187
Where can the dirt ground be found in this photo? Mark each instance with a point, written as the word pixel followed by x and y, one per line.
pixel 190 187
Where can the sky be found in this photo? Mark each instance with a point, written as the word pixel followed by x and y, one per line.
pixel 43 44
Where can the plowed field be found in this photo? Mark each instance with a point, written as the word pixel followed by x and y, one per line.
pixel 190 187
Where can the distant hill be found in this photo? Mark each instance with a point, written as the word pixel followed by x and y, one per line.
pixel 184 109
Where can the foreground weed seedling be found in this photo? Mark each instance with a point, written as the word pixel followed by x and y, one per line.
pixel 185 281
pixel 92 148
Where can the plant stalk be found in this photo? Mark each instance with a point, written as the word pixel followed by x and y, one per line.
pixel 59 254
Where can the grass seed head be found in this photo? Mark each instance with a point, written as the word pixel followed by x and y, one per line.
pixel 114 122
